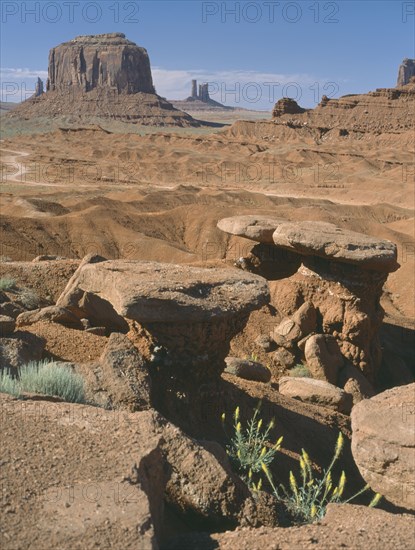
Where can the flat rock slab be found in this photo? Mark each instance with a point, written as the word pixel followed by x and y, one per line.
pixel 256 228
pixel 150 292
pixel 317 392
pixel 326 240
pixel 383 443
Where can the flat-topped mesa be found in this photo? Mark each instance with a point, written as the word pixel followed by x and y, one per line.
pixel 340 272
pixel 186 316
pixel 100 61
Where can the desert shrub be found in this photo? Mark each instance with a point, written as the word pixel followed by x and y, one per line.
pixel 7 284
pixel 308 500
pixel 29 298
pixel 8 384
pixel 300 371
pixel 47 378
pixel 50 379
pixel 249 448
pixel 5 259
pixel 250 453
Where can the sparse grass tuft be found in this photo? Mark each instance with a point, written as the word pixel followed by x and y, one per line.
pixel 300 371
pixel 7 284
pixel 46 378
pixel 8 384
pixel 29 298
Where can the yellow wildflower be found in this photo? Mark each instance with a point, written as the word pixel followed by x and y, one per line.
pixel 278 443
pixel 328 479
pixel 375 500
pixel 339 445
pixel 342 483
pixel 293 483
pixel 265 468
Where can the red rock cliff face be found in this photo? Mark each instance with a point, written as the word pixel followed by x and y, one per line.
pixel 100 61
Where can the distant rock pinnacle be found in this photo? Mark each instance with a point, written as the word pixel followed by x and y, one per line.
pixel 406 71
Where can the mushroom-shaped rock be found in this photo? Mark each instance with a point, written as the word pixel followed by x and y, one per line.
pixel 256 228
pixel 187 316
pixel 326 240
pixel 338 276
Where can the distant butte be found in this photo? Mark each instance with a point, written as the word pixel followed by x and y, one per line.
pixel 106 76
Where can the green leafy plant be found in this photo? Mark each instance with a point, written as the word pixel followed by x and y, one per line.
pixel 7 284
pixel 300 371
pixel 249 447
pixel 46 378
pixel 308 500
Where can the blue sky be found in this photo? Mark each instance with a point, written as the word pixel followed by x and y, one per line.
pixel 252 53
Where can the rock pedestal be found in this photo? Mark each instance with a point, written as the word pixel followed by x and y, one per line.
pixel 340 273
pixel 186 318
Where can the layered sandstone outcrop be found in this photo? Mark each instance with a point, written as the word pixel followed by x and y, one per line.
pixel 103 60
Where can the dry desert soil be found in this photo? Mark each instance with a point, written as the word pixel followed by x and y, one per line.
pixel 76 187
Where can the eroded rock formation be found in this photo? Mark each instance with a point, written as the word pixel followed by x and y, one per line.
pixel 286 106
pixel 325 282
pixel 186 318
pixel 96 61
pixel 383 443
pixel 106 76
pixel 406 71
